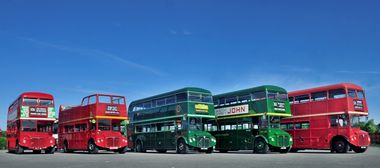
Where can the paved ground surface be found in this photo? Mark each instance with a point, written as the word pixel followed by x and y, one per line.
pixel 243 159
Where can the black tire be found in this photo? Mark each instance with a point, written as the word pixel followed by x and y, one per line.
pixel 66 148
pixel 50 150
pixel 161 150
pixel 293 150
pixel 359 149
pixel 139 147
pixel 210 150
pixel 37 151
pixel 182 147
pixel 19 149
pixel 284 150
pixel 122 150
pixel 340 146
pixel 92 148
pixel 260 146
pixel 223 151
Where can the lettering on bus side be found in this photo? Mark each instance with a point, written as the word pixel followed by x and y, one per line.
pixel 112 110
pixel 358 104
pixel 38 111
pixel 279 106
pixel 242 109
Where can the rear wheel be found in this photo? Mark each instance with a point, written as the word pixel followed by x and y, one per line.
pixel 182 147
pixel 92 148
pixel 19 149
pixel 359 149
pixel 340 146
pixel 261 146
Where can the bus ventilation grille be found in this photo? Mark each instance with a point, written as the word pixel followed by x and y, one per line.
pixel 36 142
pixel 204 142
pixel 113 142
pixel 283 141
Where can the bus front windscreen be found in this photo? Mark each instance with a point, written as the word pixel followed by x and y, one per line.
pixel 29 125
pixel 356 120
pixel 197 97
pixel 274 121
pixel 195 124
pixel 277 96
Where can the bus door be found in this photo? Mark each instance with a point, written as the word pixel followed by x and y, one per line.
pixel 170 134
pixel 160 136
pixel 244 136
pixel 301 135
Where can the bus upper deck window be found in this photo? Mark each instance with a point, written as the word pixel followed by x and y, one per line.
pixel 30 102
pixel 48 103
pixel 337 93
pixel 351 93
pixel 361 94
pixel 104 99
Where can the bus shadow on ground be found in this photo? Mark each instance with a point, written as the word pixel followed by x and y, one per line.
pixel 322 152
pixel 86 153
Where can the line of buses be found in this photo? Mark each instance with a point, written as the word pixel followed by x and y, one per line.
pixel 260 119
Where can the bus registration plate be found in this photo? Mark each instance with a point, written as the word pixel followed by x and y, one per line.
pixel 283 147
pixel 113 148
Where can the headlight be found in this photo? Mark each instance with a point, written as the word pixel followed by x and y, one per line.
pixel 24 141
pixel 213 139
pixel 272 139
pixel 51 141
pixel 290 139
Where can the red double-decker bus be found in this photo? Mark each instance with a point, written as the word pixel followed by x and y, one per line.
pixel 29 123
pixel 328 117
pixel 94 125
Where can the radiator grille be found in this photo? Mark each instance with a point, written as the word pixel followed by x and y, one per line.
pixel 113 142
pixel 203 142
pixel 283 141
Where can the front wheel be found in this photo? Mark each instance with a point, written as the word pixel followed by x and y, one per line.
pixel 122 150
pixel 66 148
pixel 19 149
pixel 92 148
pixel 359 149
pixel 50 150
pixel 261 146
pixel 182 147
pixel 340 146
pixel 210 150
pixel 139 147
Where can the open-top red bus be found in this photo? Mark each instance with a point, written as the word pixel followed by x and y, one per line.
pixel 328 117
pixel 29 123
pixel 94 125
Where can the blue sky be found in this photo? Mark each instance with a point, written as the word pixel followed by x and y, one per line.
pixel 140 48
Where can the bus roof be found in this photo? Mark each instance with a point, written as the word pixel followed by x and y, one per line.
pixel 36 95
pixel 326 88
pixel 186 89
pixel 250 90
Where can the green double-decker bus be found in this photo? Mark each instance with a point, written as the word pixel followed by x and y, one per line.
pixel 172 121
pixel 249 119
